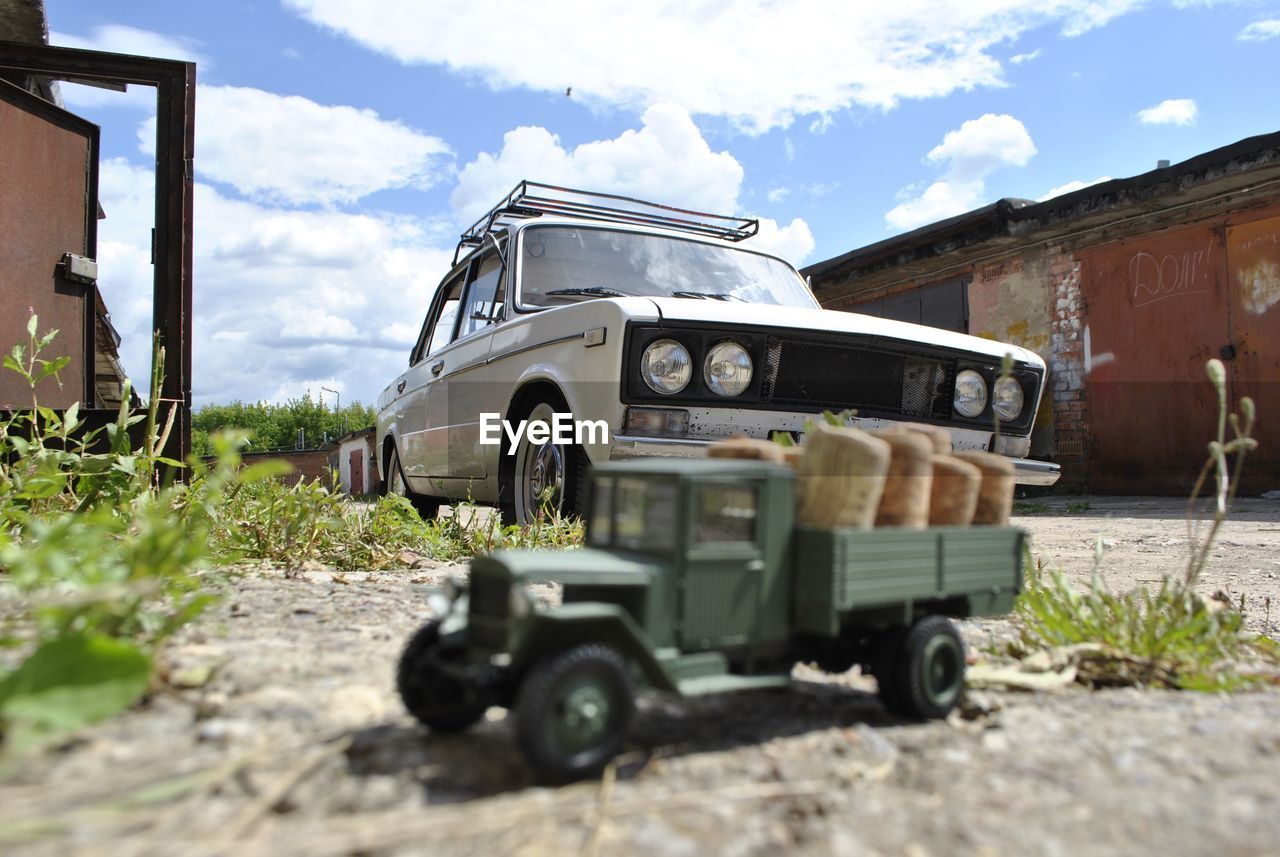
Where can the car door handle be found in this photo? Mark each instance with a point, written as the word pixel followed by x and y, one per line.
pixel 436 367
pixel 400 387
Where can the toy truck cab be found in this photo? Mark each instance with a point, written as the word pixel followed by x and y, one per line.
pixel 695 579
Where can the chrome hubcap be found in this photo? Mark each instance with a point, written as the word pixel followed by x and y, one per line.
pixel 546 476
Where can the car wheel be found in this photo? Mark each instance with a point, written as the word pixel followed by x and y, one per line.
pixel 574 711
pixel 437 699
pixel 545 477
pixel 930 670
pixel 427 507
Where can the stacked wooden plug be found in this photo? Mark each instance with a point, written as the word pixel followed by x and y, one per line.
pixel 904 476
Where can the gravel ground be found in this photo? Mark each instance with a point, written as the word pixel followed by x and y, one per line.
pixel 283 736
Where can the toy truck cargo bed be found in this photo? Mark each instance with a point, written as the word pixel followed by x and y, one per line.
pixel 845 571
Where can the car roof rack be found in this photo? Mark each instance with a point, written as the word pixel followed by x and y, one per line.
pixel 534 199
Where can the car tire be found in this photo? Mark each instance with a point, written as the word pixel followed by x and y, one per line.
pixel 573 712
pixel 556 471
pixel 426 507
pixel 930 670
pixel 437 700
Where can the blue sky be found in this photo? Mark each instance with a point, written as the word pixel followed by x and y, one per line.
pixel 341 146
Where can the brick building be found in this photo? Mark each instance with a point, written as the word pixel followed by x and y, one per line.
pixel 1126 288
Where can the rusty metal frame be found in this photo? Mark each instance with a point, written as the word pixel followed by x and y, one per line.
pixel 175 84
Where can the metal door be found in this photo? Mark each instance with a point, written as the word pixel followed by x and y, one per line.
pixel 1156 312
pixel 1253 352
pixel 48 207
pixel 356 483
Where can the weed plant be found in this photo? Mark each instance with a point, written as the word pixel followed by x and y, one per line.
pixel 101 560
pixel 93 572
pixel 1172 637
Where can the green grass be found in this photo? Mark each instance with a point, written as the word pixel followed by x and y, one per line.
pixel 103 557
pixel 1169 637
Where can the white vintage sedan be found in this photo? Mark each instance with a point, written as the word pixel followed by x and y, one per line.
pixel 576 328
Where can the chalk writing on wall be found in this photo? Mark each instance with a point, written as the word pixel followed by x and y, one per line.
pixel 1155 278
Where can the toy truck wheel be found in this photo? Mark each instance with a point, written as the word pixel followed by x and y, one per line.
pixel 573 712
pixel 930 669
pixel 884 666
pixel 438 700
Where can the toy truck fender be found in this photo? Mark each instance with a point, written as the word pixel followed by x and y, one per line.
pixel 553 631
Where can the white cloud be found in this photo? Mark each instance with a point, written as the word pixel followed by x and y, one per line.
pixel 291 150
pixel 758 62
pixel 1019 59
pixel 1171 111
pixel 793 242
pixel 1072 186
pixel 1260 31
pixel 666 160
pixel 777 194
pixel 969 154
pixel 117 38
pixel 284 300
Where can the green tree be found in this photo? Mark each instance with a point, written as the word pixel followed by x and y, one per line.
pixel 277 426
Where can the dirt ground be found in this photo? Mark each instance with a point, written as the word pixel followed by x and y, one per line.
pixel 284 736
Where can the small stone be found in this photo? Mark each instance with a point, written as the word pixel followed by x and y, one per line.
pixel 224 731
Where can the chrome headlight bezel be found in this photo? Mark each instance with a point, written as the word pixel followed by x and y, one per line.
pixel 1008 399
pixel 738 359
pixel 666 358
pixel 970 397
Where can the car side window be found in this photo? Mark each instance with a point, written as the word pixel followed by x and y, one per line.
pixel 726 513
pixel 446 314
pixel 485 296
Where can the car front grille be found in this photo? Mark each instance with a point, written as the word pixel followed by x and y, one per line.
pixel 838 376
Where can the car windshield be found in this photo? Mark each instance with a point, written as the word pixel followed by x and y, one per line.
pixel 633 514
pixel 564 264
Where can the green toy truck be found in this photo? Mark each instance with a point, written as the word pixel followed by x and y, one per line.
pixel 695 579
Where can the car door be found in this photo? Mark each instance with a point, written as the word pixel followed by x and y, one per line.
pixel 460 389
pixel 413 386
pixel 723 567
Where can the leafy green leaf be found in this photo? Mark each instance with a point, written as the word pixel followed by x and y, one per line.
pixel 68 683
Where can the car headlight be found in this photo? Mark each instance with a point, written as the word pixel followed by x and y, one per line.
pixel 1007 399
pixel 727 369
pixel 666 366
pixel 971 393
pixel 519 604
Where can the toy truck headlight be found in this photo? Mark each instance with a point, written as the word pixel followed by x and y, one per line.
pixel 666 367
pixel 971 393
pixel 728 369
pixel 1008 398
pixel 519 603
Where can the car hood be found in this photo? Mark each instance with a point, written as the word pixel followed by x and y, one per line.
pixel 584 565
pixel 820 320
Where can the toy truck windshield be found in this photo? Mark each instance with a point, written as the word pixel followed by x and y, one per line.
pixel 636 514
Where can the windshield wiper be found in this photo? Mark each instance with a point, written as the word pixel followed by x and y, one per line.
pixel 718 296
pixel 593 291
